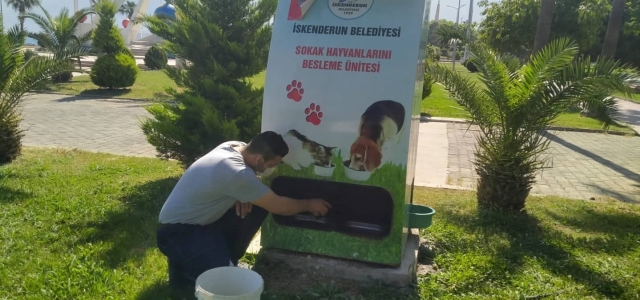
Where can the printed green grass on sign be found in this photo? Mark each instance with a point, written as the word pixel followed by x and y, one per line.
pixel 386 251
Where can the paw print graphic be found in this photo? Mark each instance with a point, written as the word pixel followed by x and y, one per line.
pixel 314 115
pixel 295 91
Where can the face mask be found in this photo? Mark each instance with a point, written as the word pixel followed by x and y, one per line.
pixel 264 168
pixel 268 172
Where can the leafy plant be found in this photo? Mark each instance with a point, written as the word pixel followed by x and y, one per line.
pixel 155 58
pixel 127 8
pixel 106 37
pixel 58 36
pixel 426 86
pixel 433 53
pixel 218 102
pixel 432 58
pixel 22 6
pixel 17 77
pixel 510 26
pixel 29 54
pixel 114 71
pixel 116 67
pixel 519 103
pixel 128 52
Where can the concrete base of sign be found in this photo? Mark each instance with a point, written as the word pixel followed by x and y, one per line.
pixel 402 276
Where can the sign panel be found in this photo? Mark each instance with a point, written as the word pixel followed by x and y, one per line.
pixel 343 86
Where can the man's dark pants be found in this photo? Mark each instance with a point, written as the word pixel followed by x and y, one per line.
pixel 193 249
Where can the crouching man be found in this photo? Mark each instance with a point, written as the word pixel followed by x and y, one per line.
pixel 219 204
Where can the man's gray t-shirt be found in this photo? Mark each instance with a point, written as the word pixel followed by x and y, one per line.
pixel 211 186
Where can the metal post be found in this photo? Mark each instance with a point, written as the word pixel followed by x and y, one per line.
pixel 466 47
pixel 455 42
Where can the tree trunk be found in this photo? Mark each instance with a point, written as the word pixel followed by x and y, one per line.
pixel 613 29
pixel 22 10
pixel 504 184
pixel 543 29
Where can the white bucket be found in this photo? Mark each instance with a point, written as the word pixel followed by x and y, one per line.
pixel 229 283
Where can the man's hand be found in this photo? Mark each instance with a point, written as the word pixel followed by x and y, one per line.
pixel 285 206
pixel 318 207
pixel 242 209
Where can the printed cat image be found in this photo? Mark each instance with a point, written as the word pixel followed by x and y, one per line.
pixel 304 152
pixel 379 124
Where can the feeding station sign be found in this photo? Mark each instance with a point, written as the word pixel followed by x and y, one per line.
pixel 343 86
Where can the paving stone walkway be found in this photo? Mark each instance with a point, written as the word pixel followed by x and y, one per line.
pixel 583 165
pixel 630 113
pixel 98 125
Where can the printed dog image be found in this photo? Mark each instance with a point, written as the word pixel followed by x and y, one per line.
pixel 380 123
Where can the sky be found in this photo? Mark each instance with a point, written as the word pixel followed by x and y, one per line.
pixel 54 6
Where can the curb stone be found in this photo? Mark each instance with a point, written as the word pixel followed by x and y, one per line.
pixel 95 97
pixel 425 119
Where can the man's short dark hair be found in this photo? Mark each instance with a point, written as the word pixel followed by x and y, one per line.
pixel 268 144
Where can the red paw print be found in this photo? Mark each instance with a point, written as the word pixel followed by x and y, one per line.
pixel 314 115
pixel 295 91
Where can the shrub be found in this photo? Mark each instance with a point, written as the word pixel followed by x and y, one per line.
pixel 128 52
pixel 458 56
pixel 114 71
pixel 117 67
pixel 436 52
pixel 216 103
pixel 106 37
pixel 444 52
pixel 156 58
pixel 28 54
pixel 107 40
pixel 63 77
pixel 10 137
pixel 426 87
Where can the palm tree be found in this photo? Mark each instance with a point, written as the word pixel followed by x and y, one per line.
pixel 127 9
pixel 613 29
pixel 543 30
pixel 58 35
pixel 18 77
pixel 22 6
pixel 517 105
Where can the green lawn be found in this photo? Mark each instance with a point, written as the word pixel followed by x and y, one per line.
pixel 438 104
pixel 634 97
pixel 149 85
pixel 77 225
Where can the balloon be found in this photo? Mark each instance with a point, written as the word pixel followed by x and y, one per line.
pixel 125 23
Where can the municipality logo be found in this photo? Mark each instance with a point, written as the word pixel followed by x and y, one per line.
pixel 350 9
